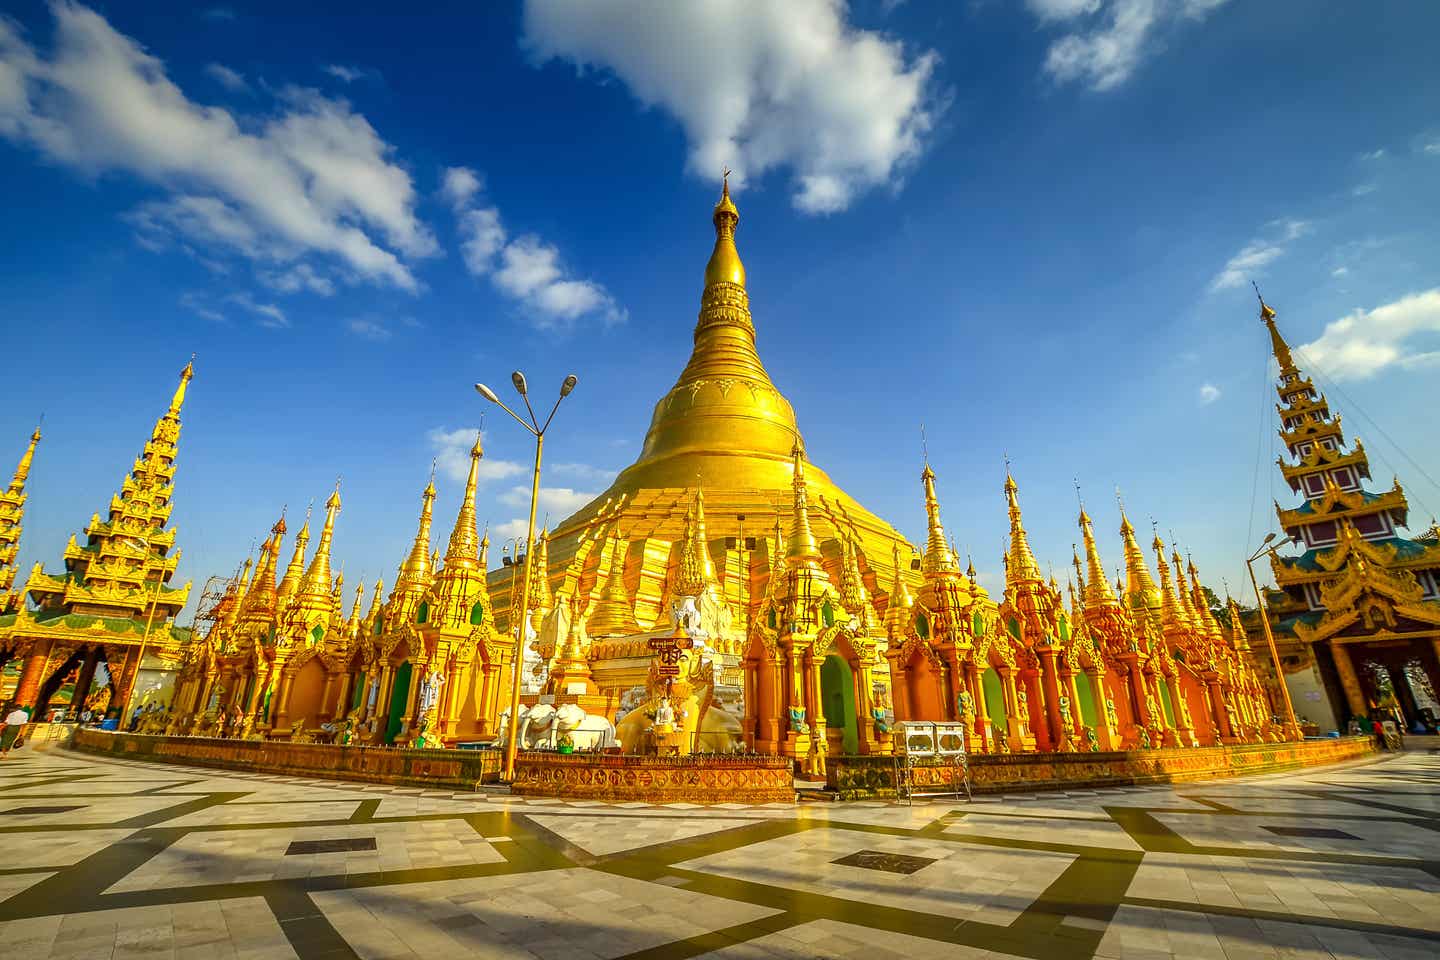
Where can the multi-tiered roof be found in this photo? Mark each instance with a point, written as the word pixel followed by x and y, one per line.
pixel 122 569
pixel 1350 535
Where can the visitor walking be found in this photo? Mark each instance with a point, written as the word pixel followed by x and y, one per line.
pixel 10 732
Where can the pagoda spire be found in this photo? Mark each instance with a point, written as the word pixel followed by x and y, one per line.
pixel 485 549
pixel 897 608
pixel 1095 587
pixel 1182 589
pixel 377 603
pixel 1023 565
pixel 725 265
pixel 938 556
pixel 697 568
pixel 317 582
pixel 352 625
pixel 12 514
pixel 22 469
pixel 415 571
pixel 1172 614
pixel 1278 346
pixel 178 400
pixel 295 572
pixel 614 613
pixel 541 597
pixel 463 551
pixel 1139 585
pixel 261 597
pixel 801 549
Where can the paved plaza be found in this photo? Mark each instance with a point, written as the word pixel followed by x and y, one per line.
pixel 112 859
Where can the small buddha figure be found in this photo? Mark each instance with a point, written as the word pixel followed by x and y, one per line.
pixel 664 716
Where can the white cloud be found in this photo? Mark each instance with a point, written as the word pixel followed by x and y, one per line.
pixel 459 185
pixel 1365 189
pixel 759 86
pixel 299 277
pixel 555 502
pixel 452 455
pixel 1373 154
pixel 1259 253
pixel 1061 9
pixel 1340 272
pixel 343 73
pixel 583 471
pixel 314 180
pixel 1209 393
pixel 526 269
pixel 227 78
pixel 1365 342
pixel 1432 148
pixel 368 328
pixel 510 529
pixel 196 305
pixel 1106 41
pixel 270 315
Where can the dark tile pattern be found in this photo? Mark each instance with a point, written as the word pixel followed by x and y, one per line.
pixel 28 810
pixel 888 862
pixel 1319 833
pixel 341 845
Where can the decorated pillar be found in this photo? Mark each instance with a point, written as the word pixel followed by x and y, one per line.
pixel 819 743
pixel 1218 712
pixel 1050 684
pixel 282 710
pixel 32 674
pixel 982 709
pixel 1107 719
pixel 1354 697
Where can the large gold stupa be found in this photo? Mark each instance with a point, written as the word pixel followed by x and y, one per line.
pixel 726 430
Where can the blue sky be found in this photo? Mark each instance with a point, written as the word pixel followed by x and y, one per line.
pixel 1028 226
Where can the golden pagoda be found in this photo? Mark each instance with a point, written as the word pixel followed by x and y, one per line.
pixel 114 596
pixel 725 594
pixel 12 516
pixel 726 430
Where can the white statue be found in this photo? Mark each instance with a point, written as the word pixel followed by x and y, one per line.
pixel 664 713
pixel 588 731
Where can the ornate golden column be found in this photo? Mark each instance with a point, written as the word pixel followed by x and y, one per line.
pixel 33 674
pixel 1348 680
pixel 1050 688
pixel 982 709
pixel 1106 736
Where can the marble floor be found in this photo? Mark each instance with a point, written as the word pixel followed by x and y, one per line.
pixel 108 859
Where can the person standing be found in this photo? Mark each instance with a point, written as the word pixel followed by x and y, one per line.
pixel 15 722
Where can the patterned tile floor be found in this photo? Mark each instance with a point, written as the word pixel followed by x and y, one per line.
pixel 107 859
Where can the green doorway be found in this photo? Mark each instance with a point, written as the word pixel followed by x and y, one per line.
pixel 399 694
pixel 994 691
pixel 837 696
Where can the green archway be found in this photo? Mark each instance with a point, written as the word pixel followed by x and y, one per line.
pixel 399 694
pixel 994 691
pixel 837 696
pixel 1087 700
pixel 361 681
pixel 1165 703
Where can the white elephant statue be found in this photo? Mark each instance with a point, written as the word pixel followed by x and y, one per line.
pixel 537 728
pixel 589 731
pixel 505 725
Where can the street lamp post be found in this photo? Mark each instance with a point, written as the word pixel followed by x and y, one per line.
pixel 1292 728
pixel 537 429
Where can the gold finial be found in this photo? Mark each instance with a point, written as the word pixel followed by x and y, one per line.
pixel 725 265
pixel 939 558
pixel 801 548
